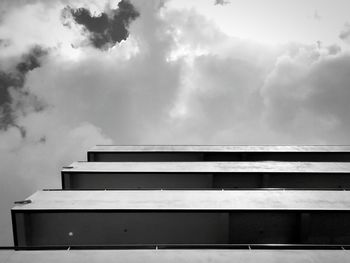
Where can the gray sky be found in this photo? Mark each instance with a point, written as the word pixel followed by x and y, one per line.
pixel 78 73
pixel 276 21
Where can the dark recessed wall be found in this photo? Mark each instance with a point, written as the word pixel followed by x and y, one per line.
pixel 42 228
pixel 218 156
pixel 110 180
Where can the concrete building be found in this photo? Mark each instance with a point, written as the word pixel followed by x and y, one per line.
pixel 193 203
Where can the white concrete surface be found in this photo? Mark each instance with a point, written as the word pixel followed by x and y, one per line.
pixel 189 200
pixel 219 148
pixel 175 256
pixel 211 167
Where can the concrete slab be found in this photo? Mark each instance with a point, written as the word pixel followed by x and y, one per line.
pixel 209 167
pixel 141 256
pixel 188 200
pixel 220 148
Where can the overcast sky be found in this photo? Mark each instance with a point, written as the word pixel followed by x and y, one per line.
pixel 78 73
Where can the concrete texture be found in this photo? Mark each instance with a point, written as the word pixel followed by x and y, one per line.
pixel 210 167
pixel 219 148
pixel 189 200
pixel 175 256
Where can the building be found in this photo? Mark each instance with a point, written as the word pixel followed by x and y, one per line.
pixel 218 203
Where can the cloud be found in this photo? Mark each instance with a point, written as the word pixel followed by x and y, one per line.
pixel 35 23
pixel 305 95
pixel 106 28
pixel 14 79
pixel 221 2
pixel 345 33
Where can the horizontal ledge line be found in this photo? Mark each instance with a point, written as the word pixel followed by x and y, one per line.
pixel 201 189
pixel 188 246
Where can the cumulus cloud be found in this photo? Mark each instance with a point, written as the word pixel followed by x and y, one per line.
pixel 301 95
pixel 108 27
pixel 168 76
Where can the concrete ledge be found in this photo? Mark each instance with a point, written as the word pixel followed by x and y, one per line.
pixel 175 256
pixel 188 200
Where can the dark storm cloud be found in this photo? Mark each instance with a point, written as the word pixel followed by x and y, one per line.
pixel 30 61
pixel 15 80
pixel 6 81
pixel 104 29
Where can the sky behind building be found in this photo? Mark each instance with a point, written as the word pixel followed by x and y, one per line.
pixel 78 73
